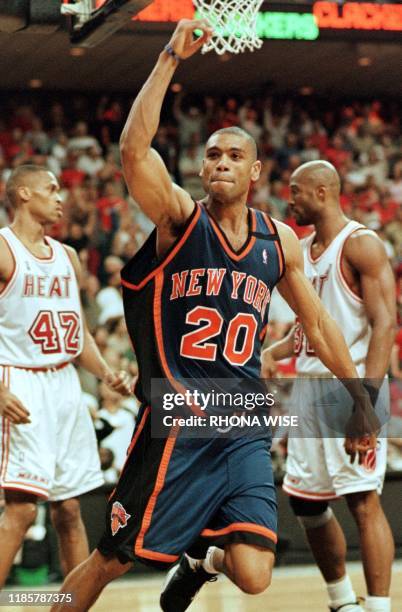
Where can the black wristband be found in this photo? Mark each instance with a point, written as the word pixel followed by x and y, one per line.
pixel 169 49
pixel 372 391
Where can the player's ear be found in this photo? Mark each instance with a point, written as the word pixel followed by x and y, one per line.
pixel 201 172
pixel 24 193
pixel 321 192
pixel 255 171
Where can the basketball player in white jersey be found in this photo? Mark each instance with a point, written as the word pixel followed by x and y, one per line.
pixel 348 267
pixel 48 445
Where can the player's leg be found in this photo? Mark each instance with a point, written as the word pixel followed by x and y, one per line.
pixel 248 567
pixel 27 471
pixel 87 581
pixel 71 534
pixel 19 514
pixel 244 526
pixel 374 528
pixel 324 535
pixel 328 545
pixel 310 486
pixel 361 485
pixel 77 467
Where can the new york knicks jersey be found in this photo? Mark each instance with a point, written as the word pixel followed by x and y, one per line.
pixel 347 308
pixel 40 313
pixel 202 311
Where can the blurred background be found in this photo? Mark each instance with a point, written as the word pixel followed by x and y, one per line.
pixel 325 85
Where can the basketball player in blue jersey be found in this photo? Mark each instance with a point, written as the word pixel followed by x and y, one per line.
pixel 196 302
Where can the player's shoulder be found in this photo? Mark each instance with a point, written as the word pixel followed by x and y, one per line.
pixel 5 248
pixel 7 258
pixel 61 247
pixel 363 241
pixel 287 235
pixel 73 257
pixel 71 252
pixel 290 244
pixel 363 247
pixel 284 230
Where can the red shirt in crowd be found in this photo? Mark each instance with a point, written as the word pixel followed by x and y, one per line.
pixel 337 157
pixel 105 206
pixel 71 177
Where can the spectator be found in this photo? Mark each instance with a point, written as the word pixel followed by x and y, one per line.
pixel 91 162
pixel 122 422
pixel 37 136
pixel 80 139
pixel 109 298
pixel 107 461
pixel 110 202
pixel 395 183
pixel 189 121
pixel 190 162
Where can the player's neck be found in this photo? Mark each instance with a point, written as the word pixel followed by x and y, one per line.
pixel 328 227
pixel 28 230
pixel 230 216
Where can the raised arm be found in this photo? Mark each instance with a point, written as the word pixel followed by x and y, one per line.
pixel 364 252
pixel 146 175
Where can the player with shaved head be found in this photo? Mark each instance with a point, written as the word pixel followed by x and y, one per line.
pixel 349 269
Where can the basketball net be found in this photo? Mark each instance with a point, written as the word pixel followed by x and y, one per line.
pixel 81 10
pixel 234 23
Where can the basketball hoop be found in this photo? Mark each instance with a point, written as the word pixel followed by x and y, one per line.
pixel 81 11
pixel 234 23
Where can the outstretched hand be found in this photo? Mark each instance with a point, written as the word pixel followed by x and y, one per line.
pixel 120 382
pixel 360 447
pixel 12 408
pixel 183 42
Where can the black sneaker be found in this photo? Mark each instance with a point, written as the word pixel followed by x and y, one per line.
pixel 359 601
pixel 182 585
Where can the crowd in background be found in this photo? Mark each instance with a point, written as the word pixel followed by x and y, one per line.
pixel 76 137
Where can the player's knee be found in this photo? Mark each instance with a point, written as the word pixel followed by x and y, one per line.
pixel 66 515
pixel 109 567
pixel 311 514
pixel 362 506
pixel 254 582
pixel 21 515
pixel 253 574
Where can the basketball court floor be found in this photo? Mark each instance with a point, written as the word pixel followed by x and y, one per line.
pixel 293 589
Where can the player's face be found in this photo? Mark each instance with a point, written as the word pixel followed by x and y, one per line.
pixel 228 167
pixel 302 200
pixel 45 201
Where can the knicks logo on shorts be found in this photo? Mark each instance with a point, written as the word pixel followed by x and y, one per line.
pixel 119 517
pixel 370 460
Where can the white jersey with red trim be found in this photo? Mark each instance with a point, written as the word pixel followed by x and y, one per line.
pixel 325 272
pixel 40 312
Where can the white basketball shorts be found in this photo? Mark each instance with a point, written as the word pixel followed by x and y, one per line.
pixel 55 456
pixel 318 467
